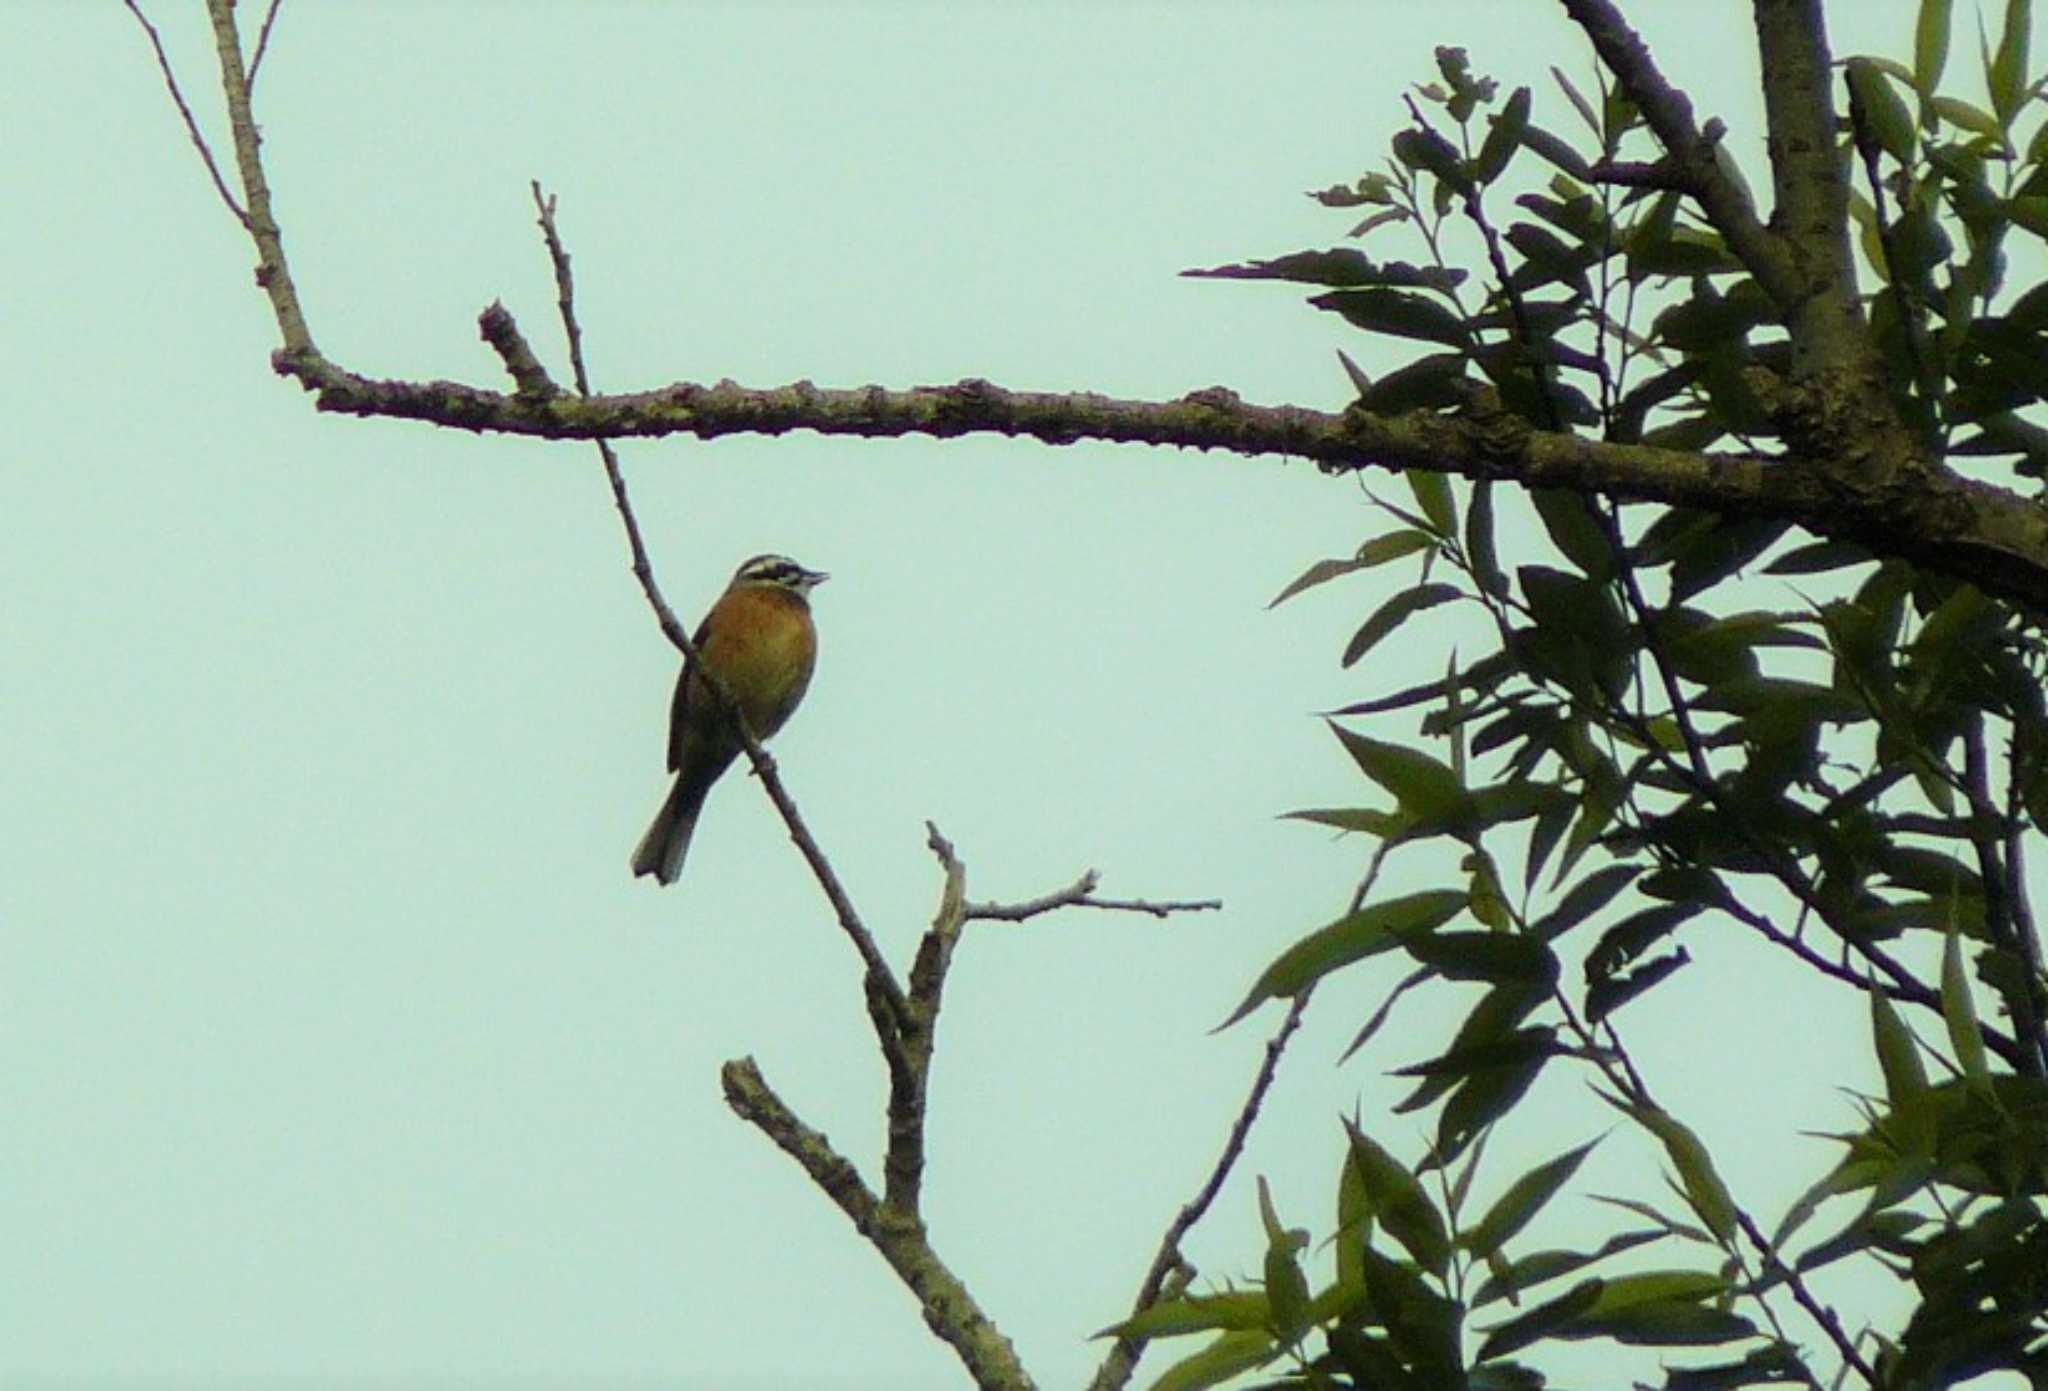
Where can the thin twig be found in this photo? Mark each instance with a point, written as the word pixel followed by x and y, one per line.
pixel 1081 894
pixel 1815 1310
pixel 263 41
pixel 163 63
pixel 1123 1357
pixel 881 978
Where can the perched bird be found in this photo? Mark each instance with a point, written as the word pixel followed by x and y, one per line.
pixel 760 639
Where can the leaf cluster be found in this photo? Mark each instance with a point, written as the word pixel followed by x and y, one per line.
pixel 1680 719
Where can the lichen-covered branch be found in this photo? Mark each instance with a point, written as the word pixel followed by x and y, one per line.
pixel 898 1236
pixel 1972 530
pixel 1854 473
pixel 1690 152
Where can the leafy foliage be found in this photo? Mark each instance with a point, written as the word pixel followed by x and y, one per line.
pixel 1669 733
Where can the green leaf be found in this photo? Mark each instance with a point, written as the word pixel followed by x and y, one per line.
pixel 1234 1309
pixel 1525 1197
pixel 1426 150
pixel 1604 997
pixel 1341 267
pixel 1492 1090
pixel 1541 1321
pixel 1360 382
pixel 1885 1230
pixel 1485 674
pixel 1773 1362
pixel 1393 613
pixel 1877 114
pixel 1586 898
pixel 1493 957
pixel 1421 784
pixel 1579 103
pixel 2008 76
pixel 1820 556
pixel 1377 551
pixel 1286 1293
pixel 1713 556
pixel 1479 548
pixel 1367 932
pixel 1379 1016
pixel 1385 825
pixel 1512 1279
pixel 1959 1011
pixel 1930 45
pixel 1400 1204
pixel 1974 119
pixel 1661 1308
pixel 1698 1179
pixel 1490 1020
pixel 1422 1326
pixel 1555 149
pixel 1396 312
pixel 1635 934
pixel 1574 530
pixel 1504 138
pixel 1433 495
pixel 1217 1363
pixel 1898 1056
pixel 1432 382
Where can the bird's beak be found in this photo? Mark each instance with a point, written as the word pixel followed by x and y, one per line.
pixel 814 578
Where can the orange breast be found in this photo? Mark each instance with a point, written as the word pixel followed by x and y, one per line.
pixel 765 647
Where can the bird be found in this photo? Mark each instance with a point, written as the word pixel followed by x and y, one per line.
pixel 760 639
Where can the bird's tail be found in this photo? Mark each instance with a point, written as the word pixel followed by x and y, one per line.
pixel 661 851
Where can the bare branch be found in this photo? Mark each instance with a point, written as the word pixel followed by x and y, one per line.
pixel 502 333
pixel 163 63
pixel 1691 153
pixel 949 1310
pixel 1966 528
pixel 1081 894
pixel 903 1162
pixel 1815 1310
pixel 263 41
pixel 1810 192
pixel 1123 1357
pixel 881 981
pixel 272 272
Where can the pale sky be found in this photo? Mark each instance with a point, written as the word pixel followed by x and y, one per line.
pixel 338 1042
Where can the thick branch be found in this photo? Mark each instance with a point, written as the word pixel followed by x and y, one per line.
pixel 949 1309
pixel 1692 164
pixel 1810 188
pixel 1968 529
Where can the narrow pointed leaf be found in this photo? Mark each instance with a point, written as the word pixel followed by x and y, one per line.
pixel 1421 784
pixel 2008 76
pixel 1930 45
pixel 1959 1011
pixel 1525 1197
pixel 1432 492
pixel 1372 929
pixel 1898 1056
pixel 1217 1363
pixel 1697 1177
pixel 1392 614
pixel 1234 1309
pixel 1586 898
pixel 1399 1202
